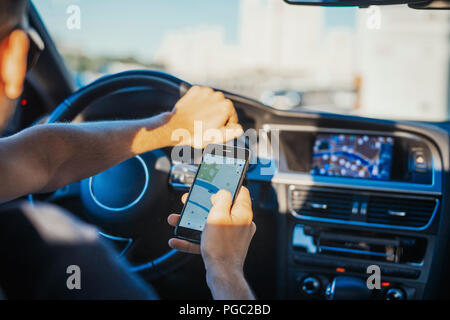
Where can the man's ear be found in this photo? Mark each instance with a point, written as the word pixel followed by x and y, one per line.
pixel 13 63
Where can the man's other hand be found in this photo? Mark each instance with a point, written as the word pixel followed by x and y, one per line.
pixel 208 112
pixel 227 234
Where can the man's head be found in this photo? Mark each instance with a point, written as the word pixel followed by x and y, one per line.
pixel 14 45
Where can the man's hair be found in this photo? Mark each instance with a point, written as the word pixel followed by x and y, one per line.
pixel 11 12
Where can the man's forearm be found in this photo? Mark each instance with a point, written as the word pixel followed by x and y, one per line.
pixel 80 151
pixel 50 156
pixel 228 285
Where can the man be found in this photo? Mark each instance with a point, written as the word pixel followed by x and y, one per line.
pixel 38 242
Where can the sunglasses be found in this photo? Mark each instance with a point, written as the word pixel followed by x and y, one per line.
pixel 36 43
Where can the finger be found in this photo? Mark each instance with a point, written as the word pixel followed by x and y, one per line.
pixel 253 229
pixel 233 117
pixel 223 135
pixel 219 95
pixel 231 112
pixel 184 246
pixel 243 198
pixel 242 212
pixel 205 92
pixel 184 198
pixel 215 136
pixel 173 219
pixel 194 90
pixel 221 206
pixel 231 131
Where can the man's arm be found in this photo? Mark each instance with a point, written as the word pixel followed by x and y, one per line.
pixel 225 241
pixel 228 284
pixel 46 157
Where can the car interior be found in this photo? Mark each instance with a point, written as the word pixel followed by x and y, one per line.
pixel 324 214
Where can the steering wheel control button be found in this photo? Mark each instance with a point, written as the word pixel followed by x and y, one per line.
pixel 310 286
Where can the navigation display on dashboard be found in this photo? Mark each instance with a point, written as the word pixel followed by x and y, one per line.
pixel 354 156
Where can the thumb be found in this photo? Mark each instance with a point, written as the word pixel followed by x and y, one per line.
pixel 221 207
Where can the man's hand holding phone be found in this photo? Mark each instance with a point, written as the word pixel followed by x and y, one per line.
pixel 224 243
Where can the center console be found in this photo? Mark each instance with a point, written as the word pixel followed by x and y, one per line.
pixel 351 201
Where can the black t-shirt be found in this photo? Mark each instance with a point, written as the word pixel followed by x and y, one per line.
pixel 42 247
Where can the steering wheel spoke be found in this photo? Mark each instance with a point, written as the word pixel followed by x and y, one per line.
pixel 123 245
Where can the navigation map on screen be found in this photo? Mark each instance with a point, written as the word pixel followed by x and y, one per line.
pixel 215 173
pixel 356 156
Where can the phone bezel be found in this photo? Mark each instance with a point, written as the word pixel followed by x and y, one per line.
pixel 224 151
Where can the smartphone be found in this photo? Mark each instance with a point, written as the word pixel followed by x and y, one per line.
pixel 222 167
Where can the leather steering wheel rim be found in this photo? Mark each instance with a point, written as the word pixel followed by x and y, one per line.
pixel 81 99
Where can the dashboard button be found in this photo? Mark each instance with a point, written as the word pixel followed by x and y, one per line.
pixel 355 207
pixel 418 160
pixel 363 210
pixel 310 286
pixel 395 294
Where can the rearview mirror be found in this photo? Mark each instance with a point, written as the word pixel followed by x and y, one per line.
pixel 347 3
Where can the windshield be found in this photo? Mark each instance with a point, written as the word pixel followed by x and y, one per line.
pixel 385 62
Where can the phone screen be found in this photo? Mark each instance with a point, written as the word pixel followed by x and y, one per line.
pixel 216 172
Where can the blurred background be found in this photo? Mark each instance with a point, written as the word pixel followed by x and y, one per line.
pixel 385 62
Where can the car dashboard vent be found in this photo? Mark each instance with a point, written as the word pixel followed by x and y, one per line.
pixel 354 207
pixel 405 212
pixel 322 204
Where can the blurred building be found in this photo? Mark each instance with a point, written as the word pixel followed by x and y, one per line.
pixel 278 37
pixel 404 65
pixel 197 53
pixel 398 70
pixel 279 47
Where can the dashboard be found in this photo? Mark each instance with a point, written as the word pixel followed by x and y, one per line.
pixel 352 198
pixel 351 193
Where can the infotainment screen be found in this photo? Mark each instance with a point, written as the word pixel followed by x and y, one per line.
pixel 355 156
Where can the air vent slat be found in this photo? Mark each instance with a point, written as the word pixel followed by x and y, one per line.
pixel 336 206
pixel 320 198
pixel 399 219
pixel 410 223
pixel 389 211
pixel 408 212
pixel 404 212
pixel 335 212
pixel 403 207
pixel 307 203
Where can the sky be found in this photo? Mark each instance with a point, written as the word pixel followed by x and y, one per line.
pixel 136 27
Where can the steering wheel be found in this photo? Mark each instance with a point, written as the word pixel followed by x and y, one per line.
pixel 122 201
